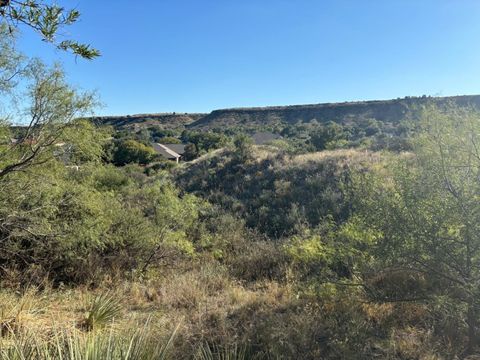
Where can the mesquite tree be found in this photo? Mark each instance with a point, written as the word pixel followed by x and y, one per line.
pixel 45 106
pixel 425 211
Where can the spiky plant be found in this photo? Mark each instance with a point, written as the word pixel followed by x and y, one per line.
pixel 102 310
pixel 142 344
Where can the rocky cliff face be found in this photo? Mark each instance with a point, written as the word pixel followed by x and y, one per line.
pixel 166 121
pixel 388 110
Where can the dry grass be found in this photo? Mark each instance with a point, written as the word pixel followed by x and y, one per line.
pixel 342 157
pixel 210 307
pixel 201 300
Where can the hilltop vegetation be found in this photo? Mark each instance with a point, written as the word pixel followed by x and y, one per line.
pixel 276 193
pixel 140 121
pixel 277 117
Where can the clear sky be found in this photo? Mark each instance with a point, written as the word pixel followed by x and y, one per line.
pixel 200 55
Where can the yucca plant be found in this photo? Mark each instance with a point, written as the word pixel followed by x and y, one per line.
pixel 142 344
pixel 102 310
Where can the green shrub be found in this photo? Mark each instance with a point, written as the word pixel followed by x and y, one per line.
pixel 131 151
pixel 170 140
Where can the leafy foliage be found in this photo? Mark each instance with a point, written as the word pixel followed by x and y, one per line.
pixel 203 142
pixel 49 118
pixel 425 212
pixel 131 151
pixel 47 20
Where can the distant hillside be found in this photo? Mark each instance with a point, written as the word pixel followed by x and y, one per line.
pixel 391 111
pixel 138 121
pixel 385 111
pixel 273 191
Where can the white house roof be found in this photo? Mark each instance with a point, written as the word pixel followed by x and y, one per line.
pixel 167 150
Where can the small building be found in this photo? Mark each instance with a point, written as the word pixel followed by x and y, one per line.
pixel 24 141
pixel 170 151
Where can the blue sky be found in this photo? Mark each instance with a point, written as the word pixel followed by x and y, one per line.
pixel 200 55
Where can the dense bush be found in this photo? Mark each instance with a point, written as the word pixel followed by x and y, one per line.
pixel 361 133
pixel 131 151
pixel 73 225
pixel 203 142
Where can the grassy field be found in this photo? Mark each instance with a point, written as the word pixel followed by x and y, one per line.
pixel 175 316
pixel 202 313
